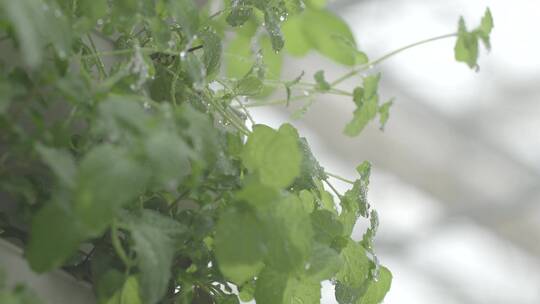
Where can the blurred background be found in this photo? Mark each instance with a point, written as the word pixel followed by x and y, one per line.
pixel 456 173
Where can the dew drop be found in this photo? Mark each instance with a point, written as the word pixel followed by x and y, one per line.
pixel 146 105
pixel 100 22
pixel 183 55
pixel 281 18
pixel 308 266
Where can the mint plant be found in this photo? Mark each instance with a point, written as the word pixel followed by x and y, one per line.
pixel 129 159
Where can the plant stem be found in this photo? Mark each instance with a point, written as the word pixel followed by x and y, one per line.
pixel 340 178
pixel 101 66
pixel 332 187
pixel 388 55
pixel 350 74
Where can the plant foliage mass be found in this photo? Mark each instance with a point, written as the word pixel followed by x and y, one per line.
pixel 128 156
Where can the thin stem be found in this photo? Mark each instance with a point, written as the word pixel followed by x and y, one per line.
pixel 340 178
pixel 388 55
pixel 101 66
pixel 352 73
pixel 332 187
pixel 146 50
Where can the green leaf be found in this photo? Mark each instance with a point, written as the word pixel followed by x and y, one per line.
pixel 307 199
pixel 354 275
pixel 362 116
pixel 466 48
pixel 168 159
pixel 238 57
pixel 249 86
pixel 186 14
pixel 239 245
pixel 240 12
pixel 377 290
pixel 272 24
pixel 324 263
pixel 322 84
pixel 37 24
pixel 91 10
pixel 371 85
pixel 310 169
pixel 196 71
pixel 326 33
pixel 325 226
pixel 108 179
pixel 288 234
pixel 212 52
pixel 54 237
pixel 154 238
pixel 274 155
pixel 486 25
pixel 296 42
pixel 247 291
pixel 129 293
pixel 384 112
pixel 277 288
pixel 367 102
pixel 61 163
pixel 354 202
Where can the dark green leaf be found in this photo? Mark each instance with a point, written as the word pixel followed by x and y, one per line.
pixel 154 242
pixel 212 52
pixel 272 23
pixel 54 237
pixel 108 179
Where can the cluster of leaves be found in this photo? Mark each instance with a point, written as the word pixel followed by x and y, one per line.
pixel 466 49
pixel 142 174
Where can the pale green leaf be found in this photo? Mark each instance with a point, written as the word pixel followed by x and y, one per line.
pixel 274 155
pixel 326 32
pixel 384 112
pixel 239 245
pixel 377 290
